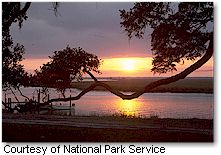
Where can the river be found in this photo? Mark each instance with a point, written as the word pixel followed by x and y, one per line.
pixel 162 105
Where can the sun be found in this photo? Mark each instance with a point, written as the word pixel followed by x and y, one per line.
pixel 128 65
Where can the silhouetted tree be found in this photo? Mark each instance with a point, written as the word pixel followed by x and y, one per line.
pixel 181 31
pixel 65 66
pixel 12 71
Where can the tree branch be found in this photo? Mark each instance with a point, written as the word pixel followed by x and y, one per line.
pixel 186 72
pixel 148 87
pixel 91 75
pixel 26 7
pixel 22 94
pixel 14 94
pixel 16 14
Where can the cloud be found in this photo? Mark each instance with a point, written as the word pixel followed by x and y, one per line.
pixel 93 26
pixel 81 16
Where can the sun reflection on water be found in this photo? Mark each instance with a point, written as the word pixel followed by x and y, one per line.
pixel 128 108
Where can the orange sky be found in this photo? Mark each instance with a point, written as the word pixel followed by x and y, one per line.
pixel 128 67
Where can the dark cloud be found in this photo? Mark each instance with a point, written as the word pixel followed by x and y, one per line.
pixel 92 26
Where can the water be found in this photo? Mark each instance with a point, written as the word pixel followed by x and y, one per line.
pixel 162 105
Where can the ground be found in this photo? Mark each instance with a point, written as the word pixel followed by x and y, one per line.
pixel 53 128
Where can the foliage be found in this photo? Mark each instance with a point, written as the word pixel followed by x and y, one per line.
pixel 65 66
pixel 13 72
pixel 181 31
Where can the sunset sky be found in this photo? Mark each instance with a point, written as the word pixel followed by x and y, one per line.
pixel 96 28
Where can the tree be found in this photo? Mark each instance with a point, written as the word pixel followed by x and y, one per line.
pixel 12 71
pixel 180 32
pixel 65 66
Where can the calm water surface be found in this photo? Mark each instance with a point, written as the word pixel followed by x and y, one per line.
pixel 163 105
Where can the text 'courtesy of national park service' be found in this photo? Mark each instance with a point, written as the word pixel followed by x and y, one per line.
pixel 76 149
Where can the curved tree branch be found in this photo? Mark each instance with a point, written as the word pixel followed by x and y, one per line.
pixel 148 87
pixel 184 73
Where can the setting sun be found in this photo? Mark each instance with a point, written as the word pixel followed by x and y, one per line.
pixel 128 65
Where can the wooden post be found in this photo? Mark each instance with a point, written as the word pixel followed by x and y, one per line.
pixel 50 104
pixel 73 109
pixel 70 104
pixel 48 97
pixel 9 102
pixel 35 106
pixel 39 98
pixel 5 98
